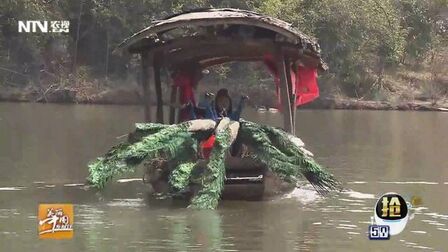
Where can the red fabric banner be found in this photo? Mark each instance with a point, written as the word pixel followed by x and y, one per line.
pixel 270 64
pixel 185 83
pixel 306 88
pixel 304 82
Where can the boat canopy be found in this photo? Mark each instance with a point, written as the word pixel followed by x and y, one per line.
pixel 215 36
pixel 190 41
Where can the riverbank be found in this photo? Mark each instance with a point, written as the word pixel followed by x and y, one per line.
pixel 354 104
pixel 118 96
pixel 132 96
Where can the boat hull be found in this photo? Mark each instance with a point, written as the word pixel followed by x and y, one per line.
pixel 246 179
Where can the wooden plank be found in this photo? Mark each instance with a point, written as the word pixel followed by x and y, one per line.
pixel 158 88
pixel 284 92
pixel 249 191
pixel 145 85
pixel 166 46
pixel 220 60
pixel 220 49
pixel 177 114
pixel 234 49
pixel 173 102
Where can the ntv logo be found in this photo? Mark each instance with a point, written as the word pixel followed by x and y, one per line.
pixel 42 26
pixel 31 26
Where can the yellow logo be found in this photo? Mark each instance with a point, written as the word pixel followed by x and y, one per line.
pixel 391 208
pixel 55 221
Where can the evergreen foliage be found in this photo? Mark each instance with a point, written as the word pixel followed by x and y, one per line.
pixel 274 148
pixel 180 177
pixel 177 144
pixel 212 181
pixel 359 38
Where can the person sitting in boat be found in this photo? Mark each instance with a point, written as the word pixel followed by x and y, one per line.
pixel 206 106
pixel 223 105
pixel 217 109
pixel 204 110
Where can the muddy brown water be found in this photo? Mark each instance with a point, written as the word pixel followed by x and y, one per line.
pixel 44 150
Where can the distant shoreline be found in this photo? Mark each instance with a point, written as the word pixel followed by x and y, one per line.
pixel 354 104
pixel 133 97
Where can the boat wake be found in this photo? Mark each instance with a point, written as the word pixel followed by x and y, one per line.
pixel 304 194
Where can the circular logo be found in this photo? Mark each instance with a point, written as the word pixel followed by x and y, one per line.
pixel 392 210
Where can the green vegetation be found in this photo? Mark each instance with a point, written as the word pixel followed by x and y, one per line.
pixel 177 147
pixel 375 49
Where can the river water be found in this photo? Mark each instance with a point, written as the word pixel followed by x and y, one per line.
pixel 44 150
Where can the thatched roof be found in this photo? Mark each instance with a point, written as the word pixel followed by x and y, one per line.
pixel 220 35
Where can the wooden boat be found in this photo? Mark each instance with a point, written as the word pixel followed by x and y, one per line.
pixel 208 37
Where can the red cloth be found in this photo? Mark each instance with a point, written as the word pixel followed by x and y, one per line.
pixel 185 83
pixel 305 86
pixel 269 61
pixel 207 146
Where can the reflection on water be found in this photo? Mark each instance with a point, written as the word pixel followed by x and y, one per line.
pixel 44 150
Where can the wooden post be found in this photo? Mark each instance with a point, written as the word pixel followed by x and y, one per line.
pixel 145 85
pixel 177 109
pixel 158 87
pixel 173 102
pixel 292 93
pixel 295 65
pixel 284 92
